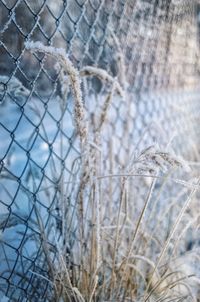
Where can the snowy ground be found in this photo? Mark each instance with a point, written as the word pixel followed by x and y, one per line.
pixel 31 153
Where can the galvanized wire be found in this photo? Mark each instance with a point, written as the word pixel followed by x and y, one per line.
pixel 39 150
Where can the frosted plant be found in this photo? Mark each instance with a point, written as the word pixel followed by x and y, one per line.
pixel 152 159
pixel 106 105
pixel 109 252
pixel 66 64
pixel 12 87
pixel 64 85
pixel 120 58
pixel 102 75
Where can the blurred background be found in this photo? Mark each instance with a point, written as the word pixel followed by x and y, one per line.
pixel 159 42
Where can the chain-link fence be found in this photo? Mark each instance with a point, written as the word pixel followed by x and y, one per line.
pixel 150 47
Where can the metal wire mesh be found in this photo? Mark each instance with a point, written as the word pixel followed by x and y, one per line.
pixel 159 41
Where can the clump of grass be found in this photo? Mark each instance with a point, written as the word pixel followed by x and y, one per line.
pixel 122 243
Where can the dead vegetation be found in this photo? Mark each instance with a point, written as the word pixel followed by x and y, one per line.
pixel 126 230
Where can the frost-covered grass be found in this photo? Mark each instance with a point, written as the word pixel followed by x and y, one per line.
pixel 129 224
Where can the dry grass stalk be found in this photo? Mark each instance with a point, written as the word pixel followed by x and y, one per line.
pixel 105 108
pixel 120 256
pixel 79 110
pixel 120 57
pixel 73 73
pixel 176 223
pixel 102 75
